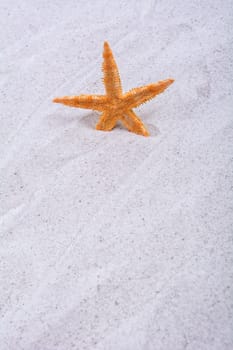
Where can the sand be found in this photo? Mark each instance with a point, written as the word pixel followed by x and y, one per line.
pixel 114 241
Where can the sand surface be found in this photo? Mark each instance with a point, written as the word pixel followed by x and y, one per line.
pixel 113 241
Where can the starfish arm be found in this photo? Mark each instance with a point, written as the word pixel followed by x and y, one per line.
pixel 133 123
pixel 95 102
pixel 137 96
pixel 106 122
pixel 111 76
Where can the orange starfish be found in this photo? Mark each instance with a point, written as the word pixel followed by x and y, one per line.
pixel 116 105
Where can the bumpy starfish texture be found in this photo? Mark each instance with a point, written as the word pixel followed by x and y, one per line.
pixel 116 105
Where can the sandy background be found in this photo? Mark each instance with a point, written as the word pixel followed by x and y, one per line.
pixel 112 241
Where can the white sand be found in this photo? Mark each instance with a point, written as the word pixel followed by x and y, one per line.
pixel 112 241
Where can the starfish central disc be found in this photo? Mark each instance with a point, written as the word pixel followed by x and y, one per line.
pixel 116 105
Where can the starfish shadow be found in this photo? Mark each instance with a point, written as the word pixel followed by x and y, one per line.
pixel 89 121
pixel 63 118
pixel 153 130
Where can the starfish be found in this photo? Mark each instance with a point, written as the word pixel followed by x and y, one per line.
pixel 116 105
